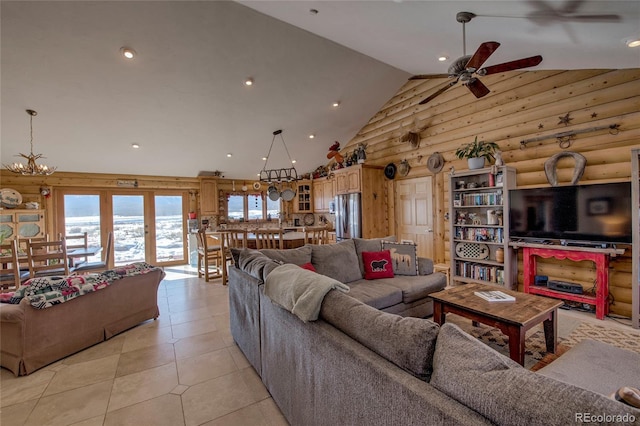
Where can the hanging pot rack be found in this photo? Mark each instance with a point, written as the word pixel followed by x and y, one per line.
pixel 278 175
pixel 564 138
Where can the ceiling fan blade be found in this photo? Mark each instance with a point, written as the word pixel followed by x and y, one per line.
pixel 571 6
pixel 427 76
pixel 592 18
pixel 510 66
pixel 482 54
pixel 438 92
pixel 542 7
pixel 477 88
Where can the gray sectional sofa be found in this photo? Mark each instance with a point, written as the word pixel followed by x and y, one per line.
pixel 359 365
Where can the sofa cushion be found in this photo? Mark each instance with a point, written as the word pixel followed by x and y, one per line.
pixel 338 261
pixel 297 256
pixel 501 390
pixel 425 266
pixel 409 343
pixel 404 257
pixel 418 287
pixel 256 264
pixel 604 376
pixel 371 244
pixel 377 264
pixel 378 294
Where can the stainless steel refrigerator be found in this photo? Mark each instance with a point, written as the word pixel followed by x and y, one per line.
pixel 348 216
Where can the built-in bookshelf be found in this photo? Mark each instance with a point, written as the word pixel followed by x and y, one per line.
pixel 479 227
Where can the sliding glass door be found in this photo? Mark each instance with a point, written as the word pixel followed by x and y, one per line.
pixel 169 229
pixel 147 226
pixel 129 229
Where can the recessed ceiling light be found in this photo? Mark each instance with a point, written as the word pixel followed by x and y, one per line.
pixel 127 52
pixel 313 11
pixel 229 155
pixel 293 161
pixel 633 43
pixel 311 136
pixel 336 104
pixel 135 146
pixel 248 82
pixel 264 158
pixel 443 58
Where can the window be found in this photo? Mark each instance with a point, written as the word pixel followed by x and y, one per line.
pixel 82 214
pixel 235 207
pixel 255 207
pixel 245 207
pixel 273 208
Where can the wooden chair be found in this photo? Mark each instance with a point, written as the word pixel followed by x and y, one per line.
pixel 315 235
pixel 10 274
pixel 269 239
pixel 210 258
pixel 231 238
pixel 97 266
pixel 47 258
pixel 77 241
pixel 23 249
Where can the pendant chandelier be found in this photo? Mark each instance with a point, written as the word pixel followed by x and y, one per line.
pixel 278 175
pixel 31 168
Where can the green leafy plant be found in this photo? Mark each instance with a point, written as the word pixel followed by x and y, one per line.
pixel 477 149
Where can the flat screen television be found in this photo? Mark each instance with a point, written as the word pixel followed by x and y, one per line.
pixel 599 213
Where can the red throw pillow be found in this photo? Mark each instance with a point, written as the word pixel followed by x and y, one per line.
pixel 308 266
pixel 377 264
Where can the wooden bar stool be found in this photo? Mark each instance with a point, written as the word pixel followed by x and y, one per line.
pixel 210 258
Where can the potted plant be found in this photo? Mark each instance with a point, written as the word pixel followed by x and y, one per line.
pixel 476 152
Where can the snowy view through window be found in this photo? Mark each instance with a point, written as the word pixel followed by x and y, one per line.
pixel 82 214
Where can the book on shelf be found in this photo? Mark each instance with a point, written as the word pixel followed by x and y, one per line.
pixel 495 296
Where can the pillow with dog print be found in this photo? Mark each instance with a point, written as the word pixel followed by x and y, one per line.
pixel 377 264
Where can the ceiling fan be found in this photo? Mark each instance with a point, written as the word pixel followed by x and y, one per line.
pixel 545 13
pixel 464 68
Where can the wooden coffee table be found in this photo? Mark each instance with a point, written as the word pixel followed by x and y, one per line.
pixel 512 318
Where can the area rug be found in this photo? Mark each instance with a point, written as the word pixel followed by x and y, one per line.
pixel 536 355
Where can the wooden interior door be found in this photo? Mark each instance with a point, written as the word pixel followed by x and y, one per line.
pixel 414 213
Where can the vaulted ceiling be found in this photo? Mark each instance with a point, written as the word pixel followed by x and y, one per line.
pixel 183 97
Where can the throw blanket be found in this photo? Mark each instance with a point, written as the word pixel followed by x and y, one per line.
pixel 45 292
pixel 300 291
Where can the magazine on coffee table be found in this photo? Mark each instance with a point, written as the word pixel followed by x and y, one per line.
pixel 495 296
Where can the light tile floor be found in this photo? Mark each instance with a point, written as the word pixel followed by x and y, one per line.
pixel 182 369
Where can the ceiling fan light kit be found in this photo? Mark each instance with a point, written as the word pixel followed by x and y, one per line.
pixel 466 67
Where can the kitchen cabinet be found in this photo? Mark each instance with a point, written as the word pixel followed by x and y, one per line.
pixel 348 180
pixel 209 197
pixel 479 227
pixel 22 223
pixel 323 193
pixel 303 201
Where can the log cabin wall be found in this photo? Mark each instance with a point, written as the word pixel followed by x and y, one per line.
pixel 521 105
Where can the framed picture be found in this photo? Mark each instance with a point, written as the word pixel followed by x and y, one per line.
pixel 598 206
